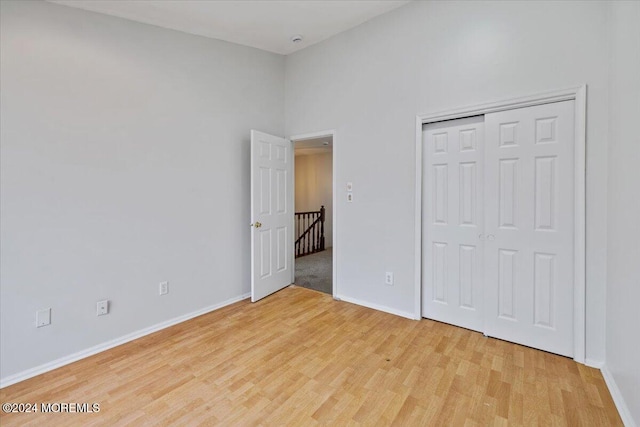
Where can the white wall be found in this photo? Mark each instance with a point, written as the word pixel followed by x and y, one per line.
pixel 314 182
pixel 369 84
pixel 125 162
pixel 125 156
pixel 623 253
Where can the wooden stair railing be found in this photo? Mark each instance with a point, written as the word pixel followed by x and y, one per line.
pixel 310 229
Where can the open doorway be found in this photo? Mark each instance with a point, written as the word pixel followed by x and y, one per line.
pixel 313 221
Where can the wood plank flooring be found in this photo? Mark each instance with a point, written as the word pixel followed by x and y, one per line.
pixel 299 358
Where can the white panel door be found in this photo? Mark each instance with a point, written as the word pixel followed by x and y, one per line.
pixel 271 214
pixel 453 222
pixel 529 226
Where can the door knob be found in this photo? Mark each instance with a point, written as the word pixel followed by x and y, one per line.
pixel 491 237
pixel 481 237
pixel 257 224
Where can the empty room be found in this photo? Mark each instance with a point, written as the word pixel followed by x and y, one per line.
pixel 162 234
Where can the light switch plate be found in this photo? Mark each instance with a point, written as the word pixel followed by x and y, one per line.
pixel 43 318
pixel 164 288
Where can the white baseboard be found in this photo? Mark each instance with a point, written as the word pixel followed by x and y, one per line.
pixel 592 363
pixel 29 373
pixel 407 314
pixel 621 405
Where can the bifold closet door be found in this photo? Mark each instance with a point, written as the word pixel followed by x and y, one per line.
pixel 452 217
pixel 529 224
pixel 498 224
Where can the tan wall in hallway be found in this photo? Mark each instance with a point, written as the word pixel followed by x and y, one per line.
pixel 313 187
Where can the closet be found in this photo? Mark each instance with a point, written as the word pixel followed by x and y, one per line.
pixel 498 224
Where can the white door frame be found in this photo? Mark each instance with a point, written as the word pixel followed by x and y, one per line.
pixel 579 95
pixel 334 262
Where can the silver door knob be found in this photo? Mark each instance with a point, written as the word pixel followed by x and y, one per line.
pixel 491 237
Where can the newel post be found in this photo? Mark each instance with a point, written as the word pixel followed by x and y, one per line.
pixel 322 227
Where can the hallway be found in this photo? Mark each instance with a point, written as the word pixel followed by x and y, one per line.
pixel 315 271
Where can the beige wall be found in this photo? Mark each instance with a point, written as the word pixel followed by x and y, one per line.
pixel 313 188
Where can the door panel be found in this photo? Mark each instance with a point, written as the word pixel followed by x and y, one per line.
pixel 498 225
pixel 271 214
pixel 529 247
pixel 453 222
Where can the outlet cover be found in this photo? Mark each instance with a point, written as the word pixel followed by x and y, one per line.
pixel 388 278
pixel 102 307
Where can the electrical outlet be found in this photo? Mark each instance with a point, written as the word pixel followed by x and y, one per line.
pixel 43 318
pixel 349 197
pixel 164 288
pixel 388 278
pixel 102 307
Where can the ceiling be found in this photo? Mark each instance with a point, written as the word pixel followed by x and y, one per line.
pixel 264 24
pixel 313 146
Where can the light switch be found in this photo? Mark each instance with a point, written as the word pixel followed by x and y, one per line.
pixel 43 318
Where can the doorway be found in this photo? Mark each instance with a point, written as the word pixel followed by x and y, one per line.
pixel 314 212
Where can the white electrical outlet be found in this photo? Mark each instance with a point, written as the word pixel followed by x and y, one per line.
pixel 43 318
pixel 164 288
pixel 102 307
pixel 388 278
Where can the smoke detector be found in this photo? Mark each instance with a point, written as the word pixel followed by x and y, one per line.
pixel 296 39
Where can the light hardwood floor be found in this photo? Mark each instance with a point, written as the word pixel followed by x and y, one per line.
pixel 300 358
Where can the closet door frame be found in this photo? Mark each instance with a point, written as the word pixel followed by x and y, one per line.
pixel 579 95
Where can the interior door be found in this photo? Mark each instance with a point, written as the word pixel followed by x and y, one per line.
pixel 530 226
pixel 271 214
pixel 453 222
